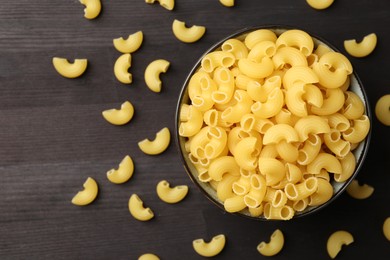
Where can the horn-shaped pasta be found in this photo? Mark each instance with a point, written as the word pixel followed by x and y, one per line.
pixel 137 210
pixel 323 194
pixel 324 161
pixel 286 117
pixel 357 191
pixel 274 246
pixel 287 151
pixel 336 144
pixel 121 116
pixel 213 248
pixel 131 44
pixel 200 88
pixel 257 191
pixel 70 70
pixel 258 36
pixel 225 80
pixel 121 66
pixel 358 131
pixel 261 92
pixel 311 125
pixel 88 195
pixel 296 38
pixel 152 74
pixel 320 4
pixel 353 106
pixel 271 107
pixel 338 121
pixel 298 95
pixel 247 151
pixel 191 120
pixel 187 34
pixel 242 185
pixel 348 165
pixel 123 173
pixel 256 70
pixel 283 213
pixel 293 173
pixel 288 56
pixel 336 241
pixel 217 59
pixel 261 50
pixel 171 195
pixel 167 4
pixel 333 102
pixel 234 204
pixel 222 165
pixel 236 47
pixel 272 169
pixel 233 114
pixel 92 8
pixel 225 186
pixel 299 75
pixel 158 145
pixel 301 190
pixel 362 49
pixel 280 132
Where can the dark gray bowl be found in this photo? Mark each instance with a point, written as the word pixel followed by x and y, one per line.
pixel 338 188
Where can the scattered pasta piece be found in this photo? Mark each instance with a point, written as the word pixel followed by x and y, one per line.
pixel 171 195
pixel 210 249
pixel 187 35
pixel 386 228
pixel 362 49
pixel 359 191
pixel 137 210
pixel 131 44
pixel 121 116
pixel 336 241
pixel 320 4
pixel 227 3
pixel 274 246
pixel 123 173
pixel 167 4
pixel 121 66
pixel 152 74
pixel 92 8
pixel 70 70
pixel 88 195
pixel 148 256
pixel 158 145
pixel 382 109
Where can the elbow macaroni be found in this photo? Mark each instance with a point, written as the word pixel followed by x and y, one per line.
pixel 265 128
pixel 227 3
pixel 148 256
pixel 185 34
pixel 123 173
pixel 70 70
pixel 357 191
pixel 210 249
pixel 171 195
pixel 121 66
pixel 320 4
pixel 167 4
pixel 92 8
pixel 362 49
pixel 336 241
pixel 88 195
pixel 152 74
pixel 386 228
pixel 382 110
pixel 137 210
pixel 158 145
pixel 121 116
pixel 274 246
pixel 131 44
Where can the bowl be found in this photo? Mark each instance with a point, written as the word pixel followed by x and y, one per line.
pixel 208 188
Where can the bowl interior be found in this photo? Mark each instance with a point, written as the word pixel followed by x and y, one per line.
pixel 338 187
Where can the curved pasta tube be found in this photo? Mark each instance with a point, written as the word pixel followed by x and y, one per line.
pixel 131 44
pixel 280 132
pixel 321 50
pixel 286 117
pixel 320 4
pixel 297 95
pixel 338 122
pixel 210 249
pixel 382 110
pixel 302 190
pixel 324 161
pixel 121 116
pixel 288 56
pixel 148 256
pixel 287 151
pixel 191 120
pixel 187 35
pixel 247 151
pixel 323 194
pixel 271 107
pixel 200 89
pixel 92 8
pixel 260 92
pixel 234 204
pixel 171 195
pixel 167 4
pixel 88 195
pixel 272 169
pixel 137 210
pixel 311 125
pixel 258 36
pixel 242 106
pixel 121 66
pixel 236 47
pixel 336 241
pixel 152 74
pixel 225 81
pixel 348 165
pixel 274 246
pixel 333 102
pixel 261 50
pixel 158 145
pixel 209 143
pixel 256 212
pixel 256 70
pixel 223 165
pixel 299 75
pixel 227 3
pixel 310 150
pixel 298 39
pixel 217 59
pixel 362 49
pixel 360 192
pixel 336 144
pixel 242 185
pixel 386 228
pixel 70 70
pixel 224 188
pixel 258 189
pixel 358 131
pixel 123 173
pixel 236 135
pixel 353 107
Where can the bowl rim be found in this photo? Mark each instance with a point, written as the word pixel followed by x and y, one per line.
pixel 237 33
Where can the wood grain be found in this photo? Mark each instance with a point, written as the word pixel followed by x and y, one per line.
pixel 52 134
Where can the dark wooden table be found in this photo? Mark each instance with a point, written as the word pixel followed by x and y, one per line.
pixel 52 134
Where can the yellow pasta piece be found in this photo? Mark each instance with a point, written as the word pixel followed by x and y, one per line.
pixel 363 48
pixel 171 195
pixel 227 3
pixel 274 246
pixel 152 74
pixel 167 4
pixel 70 70
pixel 88 195
pixel 185 34
pixel 158 145
pixel 210 249
pixel 336 241
pixel 320 4
pixel 121 116
pixel 92 8
pixel 382 110
pixel 357 191
pixel 123 173
pixel 386 228
pixel 137 210
pixel 121 66
pixel 148 256
pixel 131 44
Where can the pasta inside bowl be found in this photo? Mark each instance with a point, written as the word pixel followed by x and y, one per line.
pixel 272 123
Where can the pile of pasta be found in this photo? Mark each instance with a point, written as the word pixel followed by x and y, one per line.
pixel 271 123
